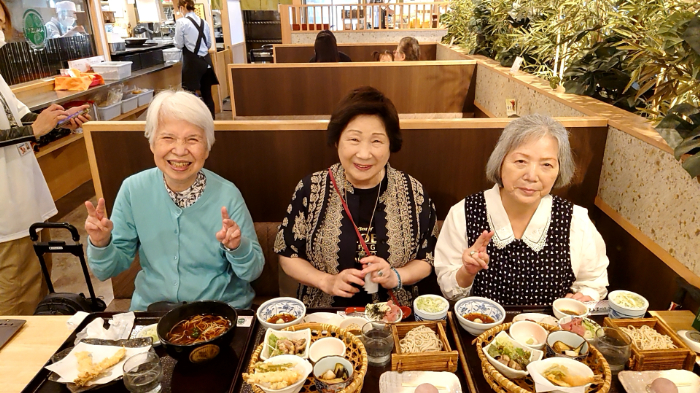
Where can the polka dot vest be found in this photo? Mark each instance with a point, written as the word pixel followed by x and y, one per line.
pixel 517 275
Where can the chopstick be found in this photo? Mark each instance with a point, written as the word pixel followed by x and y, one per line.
pixel 413 385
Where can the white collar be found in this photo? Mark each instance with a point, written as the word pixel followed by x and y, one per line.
pixel 535 235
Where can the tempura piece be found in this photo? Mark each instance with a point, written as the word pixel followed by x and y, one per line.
pixel 273 376
pixel 560 376
pixel 87 370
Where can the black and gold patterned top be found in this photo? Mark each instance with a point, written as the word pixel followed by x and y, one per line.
pixel 317 229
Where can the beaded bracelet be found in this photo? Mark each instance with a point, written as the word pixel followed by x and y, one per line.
pixel 398 276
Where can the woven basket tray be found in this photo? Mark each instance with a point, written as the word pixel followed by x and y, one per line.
pixel 501 384
pixel 355 353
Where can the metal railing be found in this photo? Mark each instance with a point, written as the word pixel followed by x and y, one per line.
pixel 363 16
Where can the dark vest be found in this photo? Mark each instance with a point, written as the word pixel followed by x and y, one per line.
pixel 195 67
pixel 517 275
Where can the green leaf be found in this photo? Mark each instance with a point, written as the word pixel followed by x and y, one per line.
pixel 692 34
pixel 688 146
pixel 692 165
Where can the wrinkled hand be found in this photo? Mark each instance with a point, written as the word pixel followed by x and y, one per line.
pixel 97 225
pixel 579 296
pixel 48 119
pixel 230 233
pixel 341 284
pixel 374 265
pixel 77 122
pixel 475 258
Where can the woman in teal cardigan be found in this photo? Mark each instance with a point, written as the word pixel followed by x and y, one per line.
pixel 191 227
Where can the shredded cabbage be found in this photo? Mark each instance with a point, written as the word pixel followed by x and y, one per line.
pixel 630 300
pixel 430 304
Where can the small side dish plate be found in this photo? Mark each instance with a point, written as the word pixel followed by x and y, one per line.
pixel 407 381
pixel 637 381
pixel 149 331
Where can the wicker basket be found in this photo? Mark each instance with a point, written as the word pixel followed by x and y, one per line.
pixel 355 353
pixel 501 384
pixel 681 357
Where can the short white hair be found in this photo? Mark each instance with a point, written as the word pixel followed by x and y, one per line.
pixel 525 129
pixel 179 105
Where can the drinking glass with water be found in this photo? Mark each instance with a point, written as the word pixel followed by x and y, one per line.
pixel 378 341
pixel 615 345
pixel 143 373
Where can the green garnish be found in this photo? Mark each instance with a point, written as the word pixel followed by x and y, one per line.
pixel 502 346
pixel 195 333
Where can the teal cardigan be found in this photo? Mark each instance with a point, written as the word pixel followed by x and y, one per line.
pixel 181 260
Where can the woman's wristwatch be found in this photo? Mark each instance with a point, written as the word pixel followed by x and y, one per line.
pixel 398 277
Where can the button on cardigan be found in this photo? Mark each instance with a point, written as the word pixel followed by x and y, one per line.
pixel 181 260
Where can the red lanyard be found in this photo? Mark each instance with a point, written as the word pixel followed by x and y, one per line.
pixel 357 231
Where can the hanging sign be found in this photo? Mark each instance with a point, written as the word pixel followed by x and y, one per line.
pixel 34 29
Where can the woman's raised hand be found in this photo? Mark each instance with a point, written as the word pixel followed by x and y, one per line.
pixel 475 258
pixel 380 270
pixel 48 119
pixel 97 225
pixel 341 284
pixel 230 233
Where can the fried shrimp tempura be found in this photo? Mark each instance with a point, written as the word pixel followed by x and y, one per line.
pixel 273 376
pixel 87 370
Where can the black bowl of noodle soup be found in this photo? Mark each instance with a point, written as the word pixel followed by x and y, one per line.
pixel 197 332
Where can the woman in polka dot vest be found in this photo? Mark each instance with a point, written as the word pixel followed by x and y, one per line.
pixel 516 243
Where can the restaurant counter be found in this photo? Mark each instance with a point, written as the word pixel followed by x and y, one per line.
pixel 64 162
pixel 24 356
pixel 36 102
pixel 159 44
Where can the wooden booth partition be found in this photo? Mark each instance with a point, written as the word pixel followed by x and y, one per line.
pixel 266 160
pixel 314 89
pixel 358 52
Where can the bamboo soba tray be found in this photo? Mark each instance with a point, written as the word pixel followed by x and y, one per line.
pixel 500 384
pixel 445 360
pixel 681 357
pixel 355 353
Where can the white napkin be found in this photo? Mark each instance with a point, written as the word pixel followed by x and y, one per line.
pixel 121 325
pixel 543 385
pixel 370 286
pixel 67 368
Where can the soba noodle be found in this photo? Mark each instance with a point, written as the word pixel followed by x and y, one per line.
pixel 198 328
pixel 420 339
pixel 647 338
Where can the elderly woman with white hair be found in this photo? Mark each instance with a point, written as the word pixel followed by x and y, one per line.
pixel 516 243
pixel 191 228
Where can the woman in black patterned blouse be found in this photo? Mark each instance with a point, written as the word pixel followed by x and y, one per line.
pixel 317 243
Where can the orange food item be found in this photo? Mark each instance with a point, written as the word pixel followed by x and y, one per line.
pixel 81 81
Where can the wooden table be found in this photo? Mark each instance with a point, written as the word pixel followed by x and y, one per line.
pixel 30 348
pixel 676 320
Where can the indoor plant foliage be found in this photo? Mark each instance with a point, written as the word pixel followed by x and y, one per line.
pixel 640 55
pixel 681 130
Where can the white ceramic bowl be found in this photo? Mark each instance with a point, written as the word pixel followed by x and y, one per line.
pixel 569 304
pixel 328 346
pixel 502 368
pixel 571 339
pixel 589 335
pixel 422 315
pixel 529 334
pixel 536 317
pixel 619 311
pixel 305 333
pixel 279 305
pixel 303 366
pixel 481 305
pixel 576 368
pixel 327 318
pixel 359 321
pixel 328 363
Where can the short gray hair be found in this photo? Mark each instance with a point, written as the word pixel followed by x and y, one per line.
pixel 526 129
pixel 179 105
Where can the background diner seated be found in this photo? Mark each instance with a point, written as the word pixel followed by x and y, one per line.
pixel 358 52
pixel 266 159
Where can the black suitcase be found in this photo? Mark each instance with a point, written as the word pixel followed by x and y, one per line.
pixel 63 303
